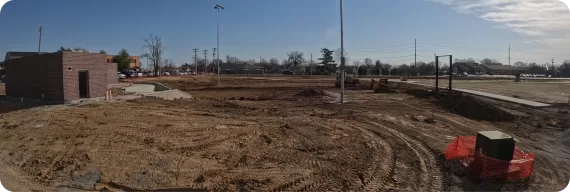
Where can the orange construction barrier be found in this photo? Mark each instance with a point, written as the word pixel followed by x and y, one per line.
pixel 483 167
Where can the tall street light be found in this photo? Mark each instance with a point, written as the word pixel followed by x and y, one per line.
pixel 218 7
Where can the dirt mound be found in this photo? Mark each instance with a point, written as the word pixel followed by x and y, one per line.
pixel 310 92
pixel 383 88
pixel 474 108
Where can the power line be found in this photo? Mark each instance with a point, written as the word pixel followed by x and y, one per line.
pixel 400 51
pixel 386 46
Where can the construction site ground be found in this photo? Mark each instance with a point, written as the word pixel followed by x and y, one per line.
pixel 270 134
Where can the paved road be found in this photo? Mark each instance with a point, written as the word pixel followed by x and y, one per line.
pixel 488 95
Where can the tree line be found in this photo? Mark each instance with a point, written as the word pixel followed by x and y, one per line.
pixel 328 63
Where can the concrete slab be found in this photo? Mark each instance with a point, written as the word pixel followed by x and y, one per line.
pixel 140 88
pixel 504 98
pixel 487 95
pixel 169 95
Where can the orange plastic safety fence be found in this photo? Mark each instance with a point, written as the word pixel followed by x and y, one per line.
pixel 483 167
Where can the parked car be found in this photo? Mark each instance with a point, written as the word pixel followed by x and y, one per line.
pixel 121 76
pixel 165 73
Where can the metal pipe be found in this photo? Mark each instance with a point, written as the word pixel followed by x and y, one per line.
pixel 436 74
pixel 450 72
pixel 341 56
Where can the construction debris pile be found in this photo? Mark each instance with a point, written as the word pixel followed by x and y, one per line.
pixel 310 92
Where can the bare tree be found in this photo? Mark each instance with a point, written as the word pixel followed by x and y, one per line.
pixel 232 60
pixel 337 56
pixel 168 65
pixel 368 62
pixel 488 61
pixel 295 58
pixel 251 61
pixel 274 61
pixel 521 64
pixel 356 63
pixel 155 51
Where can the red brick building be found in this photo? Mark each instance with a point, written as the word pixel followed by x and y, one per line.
pixel 60 76
pixel 135 61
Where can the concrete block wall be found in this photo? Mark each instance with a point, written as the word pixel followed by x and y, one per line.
pixel 29 77
pixel 95 63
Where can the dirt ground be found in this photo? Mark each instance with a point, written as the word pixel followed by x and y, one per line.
pixel 534 90
pixel 264 134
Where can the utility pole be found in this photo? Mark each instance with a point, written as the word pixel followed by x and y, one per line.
pixel 196 60
pixel 341 56
pixel 509 55
pixel 40 42
pixel 205 59
pixel 415 58
pixel 510 58
pixel 213 59
pixel 311 64
pixel 553 71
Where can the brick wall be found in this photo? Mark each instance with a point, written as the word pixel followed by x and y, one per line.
pixel 112 77
pixel 31 76
pixel 94 63
pixel 135 60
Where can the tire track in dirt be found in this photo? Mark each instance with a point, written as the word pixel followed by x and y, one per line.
pixel 381 167
pixel 431 176
pixel 372 179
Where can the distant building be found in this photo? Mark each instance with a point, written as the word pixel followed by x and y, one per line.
pixel 491 69
pixel 499 69
pixel 469 68
pixel 135 60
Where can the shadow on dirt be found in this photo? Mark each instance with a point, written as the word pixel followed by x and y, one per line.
pixel 9 105
pixel 458 178
pixel 465 105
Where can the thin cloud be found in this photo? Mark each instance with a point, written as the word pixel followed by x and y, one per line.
pixel 540 19
pixel 544 24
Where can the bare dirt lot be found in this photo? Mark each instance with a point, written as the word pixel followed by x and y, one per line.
pixel 265 134
pixel 534 90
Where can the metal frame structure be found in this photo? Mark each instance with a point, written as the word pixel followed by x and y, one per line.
pixel 437 72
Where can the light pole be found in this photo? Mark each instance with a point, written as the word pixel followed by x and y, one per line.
pixel 341 57
pixel 218 7
pixel 40 41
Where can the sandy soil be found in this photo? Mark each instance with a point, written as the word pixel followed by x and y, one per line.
pixel 252 134
pixel 540 91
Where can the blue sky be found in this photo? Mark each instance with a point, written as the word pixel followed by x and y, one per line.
pixel 537 30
